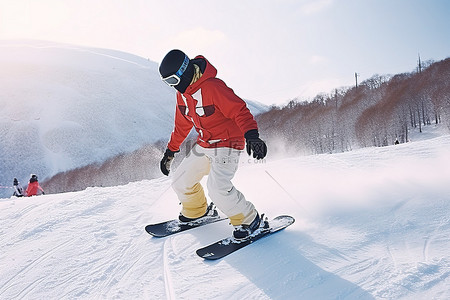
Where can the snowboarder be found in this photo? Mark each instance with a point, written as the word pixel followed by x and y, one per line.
pixel 18 189
pixel 33 186
pixel 225 126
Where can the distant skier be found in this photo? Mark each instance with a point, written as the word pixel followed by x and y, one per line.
pixel 224 124
pixel 33 186
pixel 18 189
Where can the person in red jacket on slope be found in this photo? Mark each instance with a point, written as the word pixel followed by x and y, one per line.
pixel 33 186
pixel 225 127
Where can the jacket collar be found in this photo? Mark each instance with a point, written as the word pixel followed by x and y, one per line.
pixel 210 72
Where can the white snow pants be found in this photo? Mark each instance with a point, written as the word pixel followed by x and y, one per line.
pixel 221 165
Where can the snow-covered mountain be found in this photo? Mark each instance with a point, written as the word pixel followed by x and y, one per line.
pixel 370 224
pixel 64 107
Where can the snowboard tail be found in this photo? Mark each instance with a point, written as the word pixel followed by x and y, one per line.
pixel 174 226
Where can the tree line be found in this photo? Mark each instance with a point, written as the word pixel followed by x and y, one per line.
pixel 378 112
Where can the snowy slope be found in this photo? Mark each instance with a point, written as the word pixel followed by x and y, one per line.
pixel 64 106
pixel 372 223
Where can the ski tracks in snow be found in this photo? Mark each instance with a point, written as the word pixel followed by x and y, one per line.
pixel 31 265
pixel 89 245
pixel 412 263
pixel 437 233
pixel 168 283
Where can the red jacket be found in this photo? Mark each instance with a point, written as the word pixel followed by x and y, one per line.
pixel 32 189
pixel 219 116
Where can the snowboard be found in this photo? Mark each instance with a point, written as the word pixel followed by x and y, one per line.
pixel 174 226
pixel 229 245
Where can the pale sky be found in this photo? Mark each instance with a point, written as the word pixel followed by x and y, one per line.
pixel 268 51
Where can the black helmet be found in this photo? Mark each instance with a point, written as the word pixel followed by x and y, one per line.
pixel 177 70
pixel 15 181
pixel 33 178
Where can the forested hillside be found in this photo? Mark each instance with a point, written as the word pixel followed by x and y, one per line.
pixel 121 169
pixel 378 112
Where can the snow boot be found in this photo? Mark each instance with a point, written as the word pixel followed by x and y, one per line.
pixel 243 231
pixel 211 211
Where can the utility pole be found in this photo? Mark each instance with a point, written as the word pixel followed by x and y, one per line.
pixel 335 97
pixel 356 79
pixel 419 67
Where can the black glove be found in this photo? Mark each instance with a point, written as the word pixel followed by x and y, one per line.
pixel 167 161
pixel 255 144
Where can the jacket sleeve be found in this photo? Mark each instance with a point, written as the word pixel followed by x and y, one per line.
pixel 28 190
pixel 232 106
pixel 181 129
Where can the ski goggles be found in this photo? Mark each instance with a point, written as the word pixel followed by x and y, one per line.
pixel 175 79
